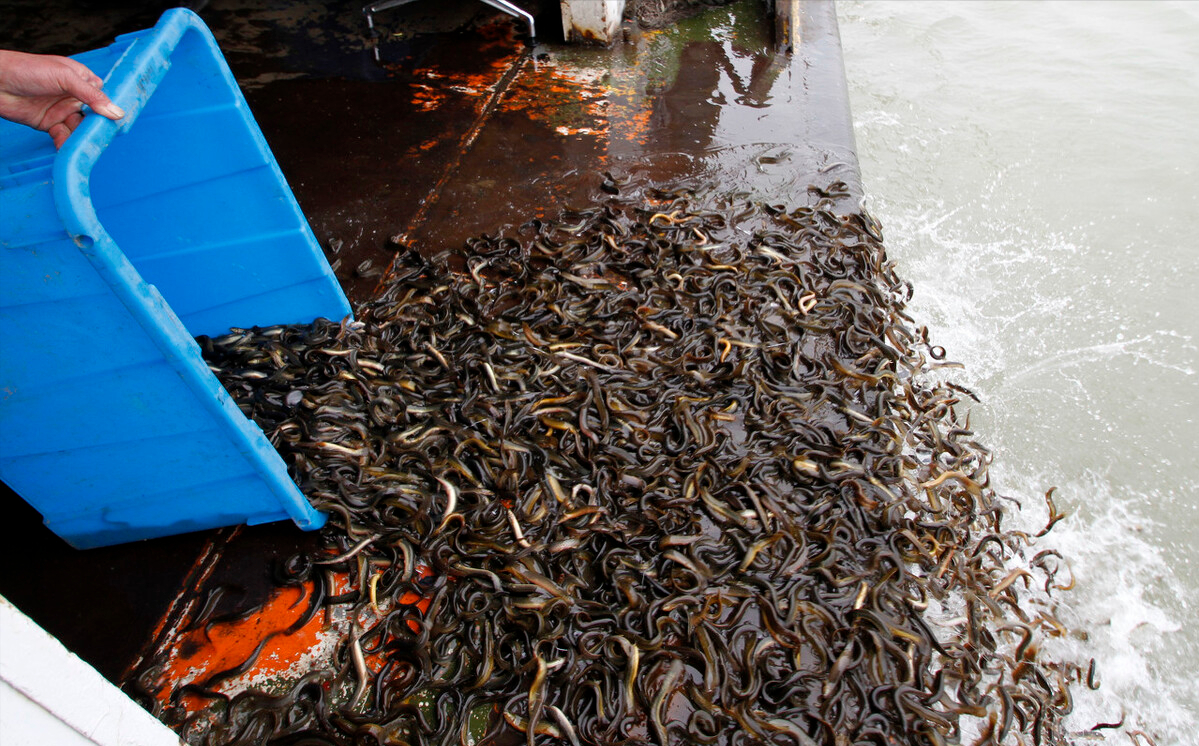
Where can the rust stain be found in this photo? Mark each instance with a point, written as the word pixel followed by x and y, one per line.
pixel 426 97
pixel 561 97
pixel 509 68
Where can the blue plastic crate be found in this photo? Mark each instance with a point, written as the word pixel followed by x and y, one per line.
pixel 114 252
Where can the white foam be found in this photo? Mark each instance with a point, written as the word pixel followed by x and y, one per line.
pixel 1027 166
pixel 1128 601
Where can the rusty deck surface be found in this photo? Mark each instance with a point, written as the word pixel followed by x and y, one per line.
pixel 446 126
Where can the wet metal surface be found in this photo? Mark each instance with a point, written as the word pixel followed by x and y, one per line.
pixel 459 129
pixel 708 99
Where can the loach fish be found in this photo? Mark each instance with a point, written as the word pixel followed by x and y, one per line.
pixel 667 469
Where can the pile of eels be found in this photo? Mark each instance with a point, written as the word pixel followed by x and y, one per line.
pixel 673 469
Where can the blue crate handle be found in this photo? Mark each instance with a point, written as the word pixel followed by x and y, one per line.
pixel 130 83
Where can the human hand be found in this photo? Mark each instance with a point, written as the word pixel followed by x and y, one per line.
pixel 46 92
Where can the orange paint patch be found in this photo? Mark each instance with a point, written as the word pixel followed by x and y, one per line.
pixel 198 655
pixel 421 602
pixel 227 657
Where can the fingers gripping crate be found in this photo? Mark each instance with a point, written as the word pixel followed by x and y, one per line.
pixel 114 252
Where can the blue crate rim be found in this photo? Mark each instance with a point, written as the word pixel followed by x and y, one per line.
pixel 130 83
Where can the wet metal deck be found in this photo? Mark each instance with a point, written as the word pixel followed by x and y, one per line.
pixel 460 128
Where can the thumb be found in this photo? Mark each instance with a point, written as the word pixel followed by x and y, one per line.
pixel 89 92
pixel 100 103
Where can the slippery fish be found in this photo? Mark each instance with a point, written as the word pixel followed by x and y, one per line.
pixel 661 459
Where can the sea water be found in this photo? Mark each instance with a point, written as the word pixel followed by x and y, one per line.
pixel 1034 166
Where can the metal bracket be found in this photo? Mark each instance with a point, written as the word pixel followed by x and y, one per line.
pixel 504 5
